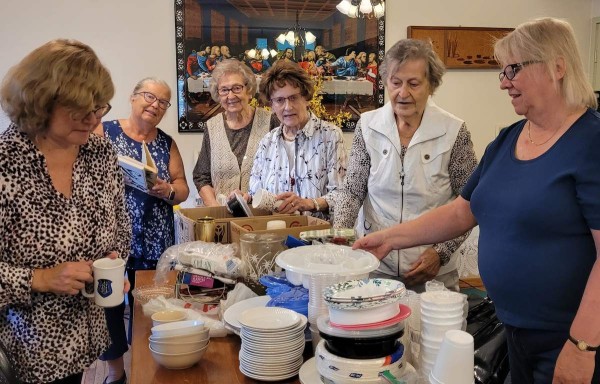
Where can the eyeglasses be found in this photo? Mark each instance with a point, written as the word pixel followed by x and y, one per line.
pixel 511 70
pixel 236 89
pixel 99 113
pixel 280 101
pixel 151 98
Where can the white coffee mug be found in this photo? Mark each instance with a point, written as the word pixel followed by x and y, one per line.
pixel 109 281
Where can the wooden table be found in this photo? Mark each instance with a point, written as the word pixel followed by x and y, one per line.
pixel 220 363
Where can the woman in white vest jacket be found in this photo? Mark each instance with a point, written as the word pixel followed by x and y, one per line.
pixel 407 157
pixel 231 138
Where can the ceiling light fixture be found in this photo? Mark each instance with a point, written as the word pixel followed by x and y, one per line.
pixel 296 36
pixel 362 8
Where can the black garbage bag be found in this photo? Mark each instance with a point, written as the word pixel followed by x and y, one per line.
pixel 7 374
pixel 491 351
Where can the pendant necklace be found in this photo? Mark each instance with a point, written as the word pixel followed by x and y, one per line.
pixel 545 141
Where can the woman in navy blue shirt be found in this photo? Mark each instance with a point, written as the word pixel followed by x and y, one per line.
pixel 536 198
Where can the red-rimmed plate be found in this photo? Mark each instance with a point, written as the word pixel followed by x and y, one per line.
pixel 404 313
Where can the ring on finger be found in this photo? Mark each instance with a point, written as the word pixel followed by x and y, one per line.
pixel 293 205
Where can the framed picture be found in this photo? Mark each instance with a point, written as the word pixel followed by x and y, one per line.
pixel 462 47
pixel 341 53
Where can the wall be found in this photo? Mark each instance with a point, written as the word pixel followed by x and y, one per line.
pixel 135 38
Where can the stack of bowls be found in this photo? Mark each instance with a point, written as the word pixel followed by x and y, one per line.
pixel 179 344
pixel 272 343
pixel 364 301
pixel 441 311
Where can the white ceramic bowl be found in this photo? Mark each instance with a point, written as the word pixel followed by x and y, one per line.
pixel 199 335
pixel 178 328
pixel 180 360
pixel 169 316
pixel 363 316
pixel 178 347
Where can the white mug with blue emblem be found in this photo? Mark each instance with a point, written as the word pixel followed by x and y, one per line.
pixel 109 281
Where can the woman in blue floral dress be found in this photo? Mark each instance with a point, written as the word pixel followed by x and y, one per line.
pixel 151 213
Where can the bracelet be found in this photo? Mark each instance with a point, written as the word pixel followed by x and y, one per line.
pixel 316 203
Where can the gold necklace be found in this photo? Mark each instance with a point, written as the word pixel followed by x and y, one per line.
pixel 545 141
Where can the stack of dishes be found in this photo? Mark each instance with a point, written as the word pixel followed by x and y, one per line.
pixel 361 334
pixel 272 343
pixel 232 314
pixel 179 344
pixel 441 311
pixel 359 355
pixel 364 301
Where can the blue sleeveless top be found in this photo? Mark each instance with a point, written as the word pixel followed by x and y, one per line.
pixel 152 224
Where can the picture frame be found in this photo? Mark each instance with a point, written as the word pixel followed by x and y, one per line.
pixel 243 30
pixel 462 47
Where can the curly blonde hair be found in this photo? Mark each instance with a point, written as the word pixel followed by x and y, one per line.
pixel 60 72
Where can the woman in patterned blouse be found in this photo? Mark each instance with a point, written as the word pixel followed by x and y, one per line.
pixel 303 161
pixel 407 157
pixel 61 207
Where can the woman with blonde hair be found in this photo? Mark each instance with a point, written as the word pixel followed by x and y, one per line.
pixel 61 207
pixel 535 198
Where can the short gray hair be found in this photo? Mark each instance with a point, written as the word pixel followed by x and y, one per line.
pixel 412 49
pixel 140 84
pixel 231 66
pixel 545 40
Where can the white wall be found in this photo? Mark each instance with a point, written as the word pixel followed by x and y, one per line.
pixel 135 39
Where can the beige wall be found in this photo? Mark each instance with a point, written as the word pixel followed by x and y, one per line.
pixel 135 39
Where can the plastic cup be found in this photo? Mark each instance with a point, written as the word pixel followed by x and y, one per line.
pixel 454 362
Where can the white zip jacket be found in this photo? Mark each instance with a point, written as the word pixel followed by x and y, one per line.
pixel 398 193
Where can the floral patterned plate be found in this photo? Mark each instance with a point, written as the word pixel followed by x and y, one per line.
pixel 364 290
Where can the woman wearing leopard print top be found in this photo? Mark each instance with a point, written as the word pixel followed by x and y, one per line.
pixel 407 157
pixel 61 208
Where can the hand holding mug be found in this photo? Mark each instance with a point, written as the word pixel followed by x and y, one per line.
pixel 64 279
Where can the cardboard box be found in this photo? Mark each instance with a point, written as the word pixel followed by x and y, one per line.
pixel 186 229
pixel 294 225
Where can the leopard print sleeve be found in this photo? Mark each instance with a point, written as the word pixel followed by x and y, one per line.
pixel 350 197
pixel 463 162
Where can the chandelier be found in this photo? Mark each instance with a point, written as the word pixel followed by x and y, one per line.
pixel 263 52
pixel 296 36
pixel 362 8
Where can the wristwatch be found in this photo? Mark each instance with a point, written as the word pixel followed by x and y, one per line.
pixel 171 194
pixel 582 345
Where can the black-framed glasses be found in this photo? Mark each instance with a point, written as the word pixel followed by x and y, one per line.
pixel 280 101
pixel 99 113
pixel 236 89
pixel 151 98
pixel 511 70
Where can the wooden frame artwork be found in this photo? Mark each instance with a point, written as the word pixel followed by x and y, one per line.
pixel 209 31
pixel 462 47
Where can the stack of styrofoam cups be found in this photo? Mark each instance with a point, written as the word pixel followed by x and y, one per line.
pixel 316 305
pixel 441 311
pixel 454 362
pixel 412 328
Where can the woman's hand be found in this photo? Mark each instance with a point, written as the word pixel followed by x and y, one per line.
pixel 161 189
pixel 290 203
pixel 574 366
pixel 424 269
pixel 64 279
pixel 378 243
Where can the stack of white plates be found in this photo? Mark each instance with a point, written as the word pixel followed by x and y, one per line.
pixel 272 343
pixel 233 313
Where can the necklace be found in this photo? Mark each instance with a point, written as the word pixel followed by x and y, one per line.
pixel 545 141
